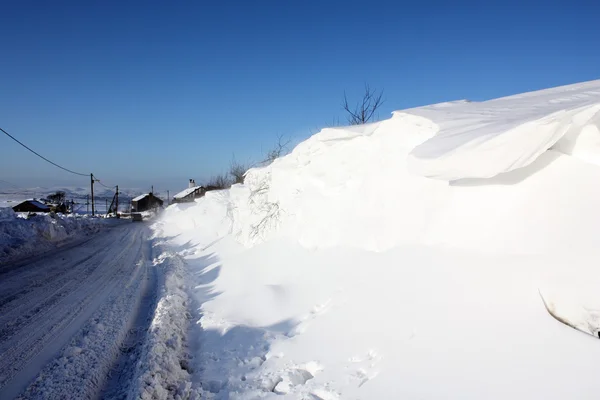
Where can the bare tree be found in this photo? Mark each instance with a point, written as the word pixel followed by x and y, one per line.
pixel 58 197
pixel 364 111
pixel 237 170
pixel 279 149
pixel 216 182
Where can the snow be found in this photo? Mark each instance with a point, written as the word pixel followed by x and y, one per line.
pixel 67 316
pixel 186 192
pixel 140 197
pixel 342 271
pixel 21 236
pixel 484 139
pixel 162 368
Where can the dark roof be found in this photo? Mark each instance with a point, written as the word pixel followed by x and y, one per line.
pixel 33 203
pixel 143 196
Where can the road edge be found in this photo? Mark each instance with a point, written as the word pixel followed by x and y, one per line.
pixel 163 368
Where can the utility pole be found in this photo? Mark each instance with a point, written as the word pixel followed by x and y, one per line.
pixel 168 198
pixel 152 192
pixel 92 183
pixel 87 203
pixel 117 202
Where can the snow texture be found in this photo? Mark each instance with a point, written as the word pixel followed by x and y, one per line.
pixel 338 272
pixel 162 371
pixel 481 140
pixel 65 316
pixel 21 236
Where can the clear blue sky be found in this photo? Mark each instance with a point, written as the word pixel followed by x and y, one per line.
pixel 156 92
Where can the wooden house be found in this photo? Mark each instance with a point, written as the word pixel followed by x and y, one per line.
pixel 145 202
pixel 32 205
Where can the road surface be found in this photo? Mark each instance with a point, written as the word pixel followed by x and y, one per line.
pixel 70 321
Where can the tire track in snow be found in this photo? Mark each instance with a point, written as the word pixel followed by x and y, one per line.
pixel 34 335
pixel 13 283
pixel 17 281
pixel 12 266
pixel 122 371
pixel 43 296
pixel 57 308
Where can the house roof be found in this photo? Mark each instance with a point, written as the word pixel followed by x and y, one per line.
pixel 35 203
pixel 141 196
pixel 186 192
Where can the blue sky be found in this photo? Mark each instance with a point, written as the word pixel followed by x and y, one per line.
pixel 152 92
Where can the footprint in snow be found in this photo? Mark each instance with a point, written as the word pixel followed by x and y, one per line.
pixel 307 319
pixel 290 379
pixel 363 368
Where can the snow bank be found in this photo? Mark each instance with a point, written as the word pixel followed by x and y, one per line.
pixel 481 140
pixel 21 236
pixel 336 272
pixel 162 369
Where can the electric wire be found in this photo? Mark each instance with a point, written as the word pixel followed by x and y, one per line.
pixel 41 156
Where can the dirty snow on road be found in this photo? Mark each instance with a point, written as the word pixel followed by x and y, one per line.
pixel 73 323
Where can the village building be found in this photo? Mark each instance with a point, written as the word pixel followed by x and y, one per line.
pixel 145 202
pixel 31 205
pixel 190 194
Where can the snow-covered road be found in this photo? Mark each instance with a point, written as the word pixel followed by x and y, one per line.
pixel 68 318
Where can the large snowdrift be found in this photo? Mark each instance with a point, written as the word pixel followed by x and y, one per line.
pixel 481 140
pixel 337 272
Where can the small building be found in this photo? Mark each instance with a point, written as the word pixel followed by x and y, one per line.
pixel 145 202
pixel 190 194
pixel 32 205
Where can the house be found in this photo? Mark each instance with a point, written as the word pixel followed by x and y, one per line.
pixel 31 205
pixel 145 202
pixel 190 194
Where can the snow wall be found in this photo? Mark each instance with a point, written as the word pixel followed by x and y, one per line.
pixel 363 278
pixel 514 175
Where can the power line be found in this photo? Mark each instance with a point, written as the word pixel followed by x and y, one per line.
pixel 41 156
pixel 96 180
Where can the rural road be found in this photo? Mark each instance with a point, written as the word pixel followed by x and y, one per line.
pixel 70 321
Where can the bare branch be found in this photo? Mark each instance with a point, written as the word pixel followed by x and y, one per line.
pixel 237 170
pixel 279 149
pixel 365 109
pixel 216 182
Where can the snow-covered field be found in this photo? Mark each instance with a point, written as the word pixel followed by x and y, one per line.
pixel 343 271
